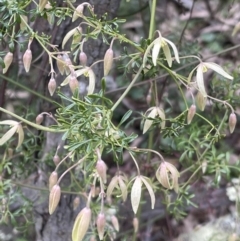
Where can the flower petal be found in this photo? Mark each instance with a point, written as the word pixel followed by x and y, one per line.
pixel 167 53
pixel 217 68
pixel 155 50
pixel 150 190
pixel 136 193
pixel 174 49
pixel 148 123
pixel 200 82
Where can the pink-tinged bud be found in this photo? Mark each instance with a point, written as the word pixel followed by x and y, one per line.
pixel 60 64
pixel 191 113
pixel 108 60
pixel 39 119
pixel 78 12
pixel 76 203
pixel 115 223
pixel 92 238
pixel 73 83
pixel 42 4
pixel 148 99
pixel 54 198
pixel 201 101
pixel 101 221
pixel 56 159
pixel 52 85
pixel 83 59
pixel 27 59
pixel 102 170
pixel 135 224
pixel 232 121
pixel 81 224
pixel 7 61
pixel 53 180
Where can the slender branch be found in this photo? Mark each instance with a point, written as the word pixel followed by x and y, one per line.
pixel 152 20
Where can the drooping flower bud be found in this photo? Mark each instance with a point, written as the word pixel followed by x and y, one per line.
pixel 81 224
pixel 56 159
pixel 27 59
pixel 201 101
pixel 60 64
pixel 108 60
pixel 73 83
pixel 53 179
pixel 101 221
pixel 42 4
pixel 102 170
pixel 39 119
pixel 191 113
pixel 115 222
pixel 7 61
pixel 83 59
pixel 52 85
pixel 76 203
pixel 167 174
pixel 54 198
pixel 78 12
pixel 232 121
pixel 135 224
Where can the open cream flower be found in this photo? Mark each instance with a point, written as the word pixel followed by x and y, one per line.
pixel 157 44
pixel 202 68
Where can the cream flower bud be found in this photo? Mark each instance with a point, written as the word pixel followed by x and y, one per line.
pixel 115 223
pixel 27 59
pixel 102 170
pixel 191 113
pixel 7 61
pixel 135 224
pixel 76 203
pixel 54 198
pixel 81 224
pixel 168 175
pixel 42 4
pixel 39 119
pixel 56 159
pixel 83 59
pixel 73 83
pixel 201 101
pixel 52 85
pixel 232 121
pixel 78 12
pixel 60 64
pixel 101 221
pixel 53 179
pixel 108 60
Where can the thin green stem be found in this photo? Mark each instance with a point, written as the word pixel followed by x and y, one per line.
pixel 153 4
pixel 38 127
pixel 128 89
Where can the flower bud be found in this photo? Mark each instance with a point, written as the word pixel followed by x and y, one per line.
pixel 52 85
pixel 27 59
pixel 76 203
pixel 54 198
pixel 167 174
pixel 42 4
pixel 135 224
pixel 148 99
pixel 7 61
pixel 232 121
pixel 60 64
pixel 101 221
pixel 81 224
pixel 102 170
pixel 83 59
pixel 108 60
pixel 191 113
pixel 201 101
pixel 78 12
pixel 115 223
pixel 73 83
pixel 39 119
pixel 56 159
pixel 53 180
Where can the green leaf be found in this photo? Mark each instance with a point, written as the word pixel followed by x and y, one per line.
pixel 125 117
